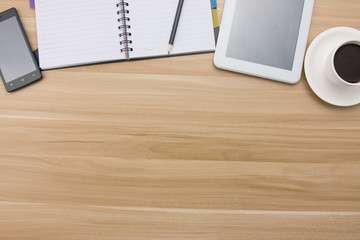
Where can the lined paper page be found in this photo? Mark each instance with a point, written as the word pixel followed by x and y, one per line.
pixel 151 23
pixel 77 32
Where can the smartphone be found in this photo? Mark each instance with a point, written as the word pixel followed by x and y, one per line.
pixel 18 65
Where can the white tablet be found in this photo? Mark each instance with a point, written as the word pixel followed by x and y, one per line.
pixel 265 38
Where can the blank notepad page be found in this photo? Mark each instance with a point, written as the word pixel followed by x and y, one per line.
pixel 151 22
pixel 77 32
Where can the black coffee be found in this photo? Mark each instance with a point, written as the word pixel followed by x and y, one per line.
pixel 347 63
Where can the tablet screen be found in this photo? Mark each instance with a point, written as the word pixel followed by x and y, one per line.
pixel 266 32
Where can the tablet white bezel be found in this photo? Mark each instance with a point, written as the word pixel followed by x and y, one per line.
pixel 259 70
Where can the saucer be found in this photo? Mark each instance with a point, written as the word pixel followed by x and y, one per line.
pixel 314 65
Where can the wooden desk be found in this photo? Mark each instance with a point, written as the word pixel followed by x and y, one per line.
pixel 177 149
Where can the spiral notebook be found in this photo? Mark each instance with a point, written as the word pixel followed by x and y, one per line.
pixel 72 33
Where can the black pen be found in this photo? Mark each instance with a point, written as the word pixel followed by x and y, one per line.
pixel 175 25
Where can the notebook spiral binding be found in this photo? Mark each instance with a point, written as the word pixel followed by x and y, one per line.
pixel 124 27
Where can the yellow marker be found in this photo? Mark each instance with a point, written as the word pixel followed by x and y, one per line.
pixel 215 18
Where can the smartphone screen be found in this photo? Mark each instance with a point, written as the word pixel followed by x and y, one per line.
pixel 15 59
pixel 18 66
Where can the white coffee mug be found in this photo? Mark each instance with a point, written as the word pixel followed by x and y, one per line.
pixel 330 67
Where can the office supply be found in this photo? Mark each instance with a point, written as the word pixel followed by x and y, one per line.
pixel 32 3
pixel 18 66
pixel 93 31
pixel 213 4
pixel 317 67
pixel 264 38
pixel 216 21
pixel 175 25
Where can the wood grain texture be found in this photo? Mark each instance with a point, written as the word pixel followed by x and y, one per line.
pixel 177 149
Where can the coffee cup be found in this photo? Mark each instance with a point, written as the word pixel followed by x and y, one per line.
pixel 343 64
